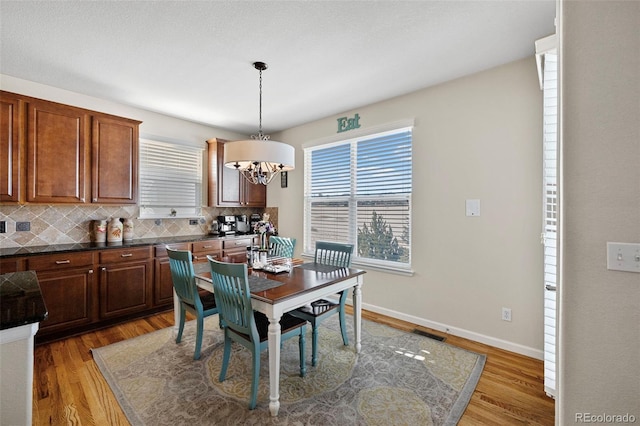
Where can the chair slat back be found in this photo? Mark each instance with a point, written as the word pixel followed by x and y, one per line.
pixel 233 298
pixel 335 254
pixel 183 275
pixel 282 246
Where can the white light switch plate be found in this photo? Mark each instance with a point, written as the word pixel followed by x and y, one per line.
pixel 623 257
pixel 472 207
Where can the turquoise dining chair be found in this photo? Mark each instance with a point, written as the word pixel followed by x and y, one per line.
pixel 245 326
pixel 282 246
pixel 184 283
pixel 334 254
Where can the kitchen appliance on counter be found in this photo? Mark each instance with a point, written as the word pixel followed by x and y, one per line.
pixel 224 225
pixel 242 225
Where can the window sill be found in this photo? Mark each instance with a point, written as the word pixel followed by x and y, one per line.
pixel 407 272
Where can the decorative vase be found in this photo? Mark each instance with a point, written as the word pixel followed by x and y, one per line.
pixel 127 232
pixel 100 231
pixel 114 231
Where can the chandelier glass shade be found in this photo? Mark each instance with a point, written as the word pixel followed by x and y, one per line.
pixel 259 159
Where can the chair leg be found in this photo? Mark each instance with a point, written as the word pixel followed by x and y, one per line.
pixel 255 377
pixel 225 357
pixel 200 323
pixel 183 315
pixel 343 327
pixel 314 345
pixel 301 346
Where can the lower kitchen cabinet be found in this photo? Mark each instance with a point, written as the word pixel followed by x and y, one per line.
pixel 67 283
pixel 202 249
pixel 68 296
pixel 126 280
pixel 83 290
pixel 163 283
pixel 235 250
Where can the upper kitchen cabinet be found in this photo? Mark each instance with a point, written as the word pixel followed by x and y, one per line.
pixel 57 153
pixel 11 126
pixel 227 187
pixel 114 153
pixel 71 155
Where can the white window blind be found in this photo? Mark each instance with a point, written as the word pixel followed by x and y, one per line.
pixel 170 179
pixel 550 213
pixel 359 191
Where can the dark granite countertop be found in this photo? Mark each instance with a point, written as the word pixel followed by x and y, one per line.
pixel 21 301
pixel 61 248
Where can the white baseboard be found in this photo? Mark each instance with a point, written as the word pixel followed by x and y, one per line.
pixel 460 332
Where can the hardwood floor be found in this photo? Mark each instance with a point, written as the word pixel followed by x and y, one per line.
pixel 70 390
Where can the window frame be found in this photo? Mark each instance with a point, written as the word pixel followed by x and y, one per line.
pixel 353 199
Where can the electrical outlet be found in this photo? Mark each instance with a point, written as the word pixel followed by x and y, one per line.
pixel 23 226
pixel 506 314
pixel 193 221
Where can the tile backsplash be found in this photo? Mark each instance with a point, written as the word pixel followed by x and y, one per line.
pixel 68 224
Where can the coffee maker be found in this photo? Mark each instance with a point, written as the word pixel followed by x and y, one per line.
pixel 224 225
pixel 242 225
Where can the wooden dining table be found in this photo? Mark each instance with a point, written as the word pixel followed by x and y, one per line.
pixel 304 283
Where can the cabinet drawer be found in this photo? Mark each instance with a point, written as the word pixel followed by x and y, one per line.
pixel 52 262
pixel 161 251
pixel 202 256
pixel 125 255
pixel 207 246
pixel 237 243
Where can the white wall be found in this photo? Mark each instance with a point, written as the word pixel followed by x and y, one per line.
pixel 600 310
pixel 475 137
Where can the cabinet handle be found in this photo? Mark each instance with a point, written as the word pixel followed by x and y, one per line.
pixel 126 255
pixel 104 269
pixel 91 271
pixel 62 262
pixel 207 246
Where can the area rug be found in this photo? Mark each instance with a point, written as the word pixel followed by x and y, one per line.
pixel 398 378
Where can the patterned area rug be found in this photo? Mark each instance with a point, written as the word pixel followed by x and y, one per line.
pixel 399 378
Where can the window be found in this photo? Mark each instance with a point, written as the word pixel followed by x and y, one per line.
pixel 170 179
pixel 359 191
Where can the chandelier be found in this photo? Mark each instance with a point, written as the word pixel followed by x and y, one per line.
pixel 259 159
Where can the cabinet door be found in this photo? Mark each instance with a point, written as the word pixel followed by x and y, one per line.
pixel 12 264
pixel 227 187
pixel 162 280
pixel 115 160
pixel 57 150
pixel 254 195
pixel 125 288
pixel 228 182
pixel 68 296
pixel 10 147
pixel 163 283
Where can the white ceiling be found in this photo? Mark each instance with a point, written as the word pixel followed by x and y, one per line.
pixel 193 59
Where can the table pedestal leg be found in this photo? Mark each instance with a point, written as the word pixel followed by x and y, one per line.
pixel 274 365
pixel 357 313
